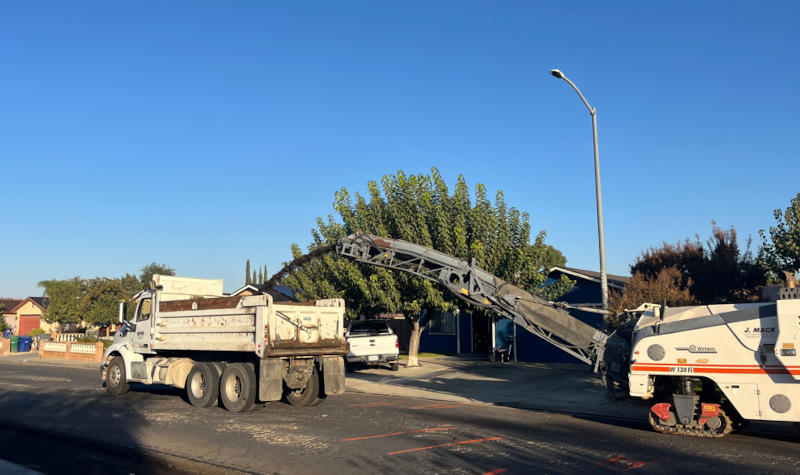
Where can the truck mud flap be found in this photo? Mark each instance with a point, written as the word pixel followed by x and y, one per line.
pixel 333 375
pixel 270 380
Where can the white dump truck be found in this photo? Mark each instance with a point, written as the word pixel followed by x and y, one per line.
pixel 185 333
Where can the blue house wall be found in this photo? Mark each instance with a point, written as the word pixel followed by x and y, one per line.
pixel 437 343
pixel 529 347
pixel 532 348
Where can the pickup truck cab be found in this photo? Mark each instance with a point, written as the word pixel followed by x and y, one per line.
pixel 371 342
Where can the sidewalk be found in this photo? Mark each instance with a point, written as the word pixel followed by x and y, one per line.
pixel 32 357
pixel 570 388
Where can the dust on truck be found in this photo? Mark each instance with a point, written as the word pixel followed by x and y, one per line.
pixel 185 333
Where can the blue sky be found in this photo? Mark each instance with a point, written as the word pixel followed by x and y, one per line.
pixel 201 134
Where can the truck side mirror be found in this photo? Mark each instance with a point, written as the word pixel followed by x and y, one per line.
pixel 123 312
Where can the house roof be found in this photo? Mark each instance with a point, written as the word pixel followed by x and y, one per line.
pixel 250 287
pixel 8 305
pixel 38 301
pixel 616 281
pixel 279 293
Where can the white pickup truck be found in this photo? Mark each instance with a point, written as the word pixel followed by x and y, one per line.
pixel 371 342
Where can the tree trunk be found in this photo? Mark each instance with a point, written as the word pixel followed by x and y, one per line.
pixel 413 341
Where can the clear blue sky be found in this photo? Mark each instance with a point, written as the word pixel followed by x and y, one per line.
pixel 200 134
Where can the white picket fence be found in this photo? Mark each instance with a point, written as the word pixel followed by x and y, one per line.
pixel 69 336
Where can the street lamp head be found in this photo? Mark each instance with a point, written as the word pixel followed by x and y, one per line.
pixel 557 73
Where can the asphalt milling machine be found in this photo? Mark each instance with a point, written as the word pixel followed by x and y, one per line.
pixel 708 368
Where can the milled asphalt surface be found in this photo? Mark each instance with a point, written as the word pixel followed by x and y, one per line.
pixel 569 388
pixel 411 424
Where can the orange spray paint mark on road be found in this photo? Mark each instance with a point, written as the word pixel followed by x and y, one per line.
pixel 434 429
pixel 495 472
pixel 439 406
pixel 449 444
pixel 373 404
pixel 625 463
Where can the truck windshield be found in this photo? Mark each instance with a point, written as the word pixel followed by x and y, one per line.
pixel 369 328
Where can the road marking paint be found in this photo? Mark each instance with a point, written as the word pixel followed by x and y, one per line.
pixel 623 462
pixel 373 404
pixel 434 429
pixel 495 472
pixel 449 444
pixel 439 406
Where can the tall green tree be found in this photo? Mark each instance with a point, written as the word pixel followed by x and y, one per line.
pixel 260 276
pixel 247 279
pixel 421 209
pixel 147 272
pixel 715 272
pixel 781 252
pixel 64 300
pixel 100 300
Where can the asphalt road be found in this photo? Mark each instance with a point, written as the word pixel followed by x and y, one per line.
pixel 59 419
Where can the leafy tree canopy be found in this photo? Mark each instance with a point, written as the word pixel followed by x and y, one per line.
pixel 694 273
pixel 421 209
pixel 91 300
pixel 782 251
pixel 64 300
pixel 147 272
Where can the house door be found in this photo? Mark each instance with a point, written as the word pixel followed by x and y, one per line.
pixel 28 323
pixel 481 339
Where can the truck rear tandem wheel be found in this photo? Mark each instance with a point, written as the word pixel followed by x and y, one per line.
pixel 309 395
pixel 237 387
pixel 202 385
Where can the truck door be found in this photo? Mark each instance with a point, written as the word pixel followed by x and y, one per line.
pixel 141 335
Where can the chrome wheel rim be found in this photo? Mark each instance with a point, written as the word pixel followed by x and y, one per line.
pixel 115 375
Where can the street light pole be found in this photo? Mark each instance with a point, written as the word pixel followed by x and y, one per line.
pixel 598 195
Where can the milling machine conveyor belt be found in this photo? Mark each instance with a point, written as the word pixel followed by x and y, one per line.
pixel 478 287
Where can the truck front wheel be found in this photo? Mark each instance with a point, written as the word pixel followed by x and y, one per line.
pixel 116 379
pixel 202 385
pixel 237 387
pixel 307 396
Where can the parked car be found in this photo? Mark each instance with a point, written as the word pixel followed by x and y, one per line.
pixel 371 343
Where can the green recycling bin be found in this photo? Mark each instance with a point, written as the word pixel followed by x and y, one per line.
pixel 14 343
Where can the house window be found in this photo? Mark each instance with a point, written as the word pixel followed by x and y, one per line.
pixel 443 323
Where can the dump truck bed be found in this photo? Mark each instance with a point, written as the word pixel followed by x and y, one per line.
pixel 250 323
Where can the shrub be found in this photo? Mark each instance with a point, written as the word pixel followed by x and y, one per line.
pixel 87 339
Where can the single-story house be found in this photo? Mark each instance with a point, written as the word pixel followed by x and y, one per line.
pixel 586 293
pixel 6 310
pixel 25 315
pixel 447 332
